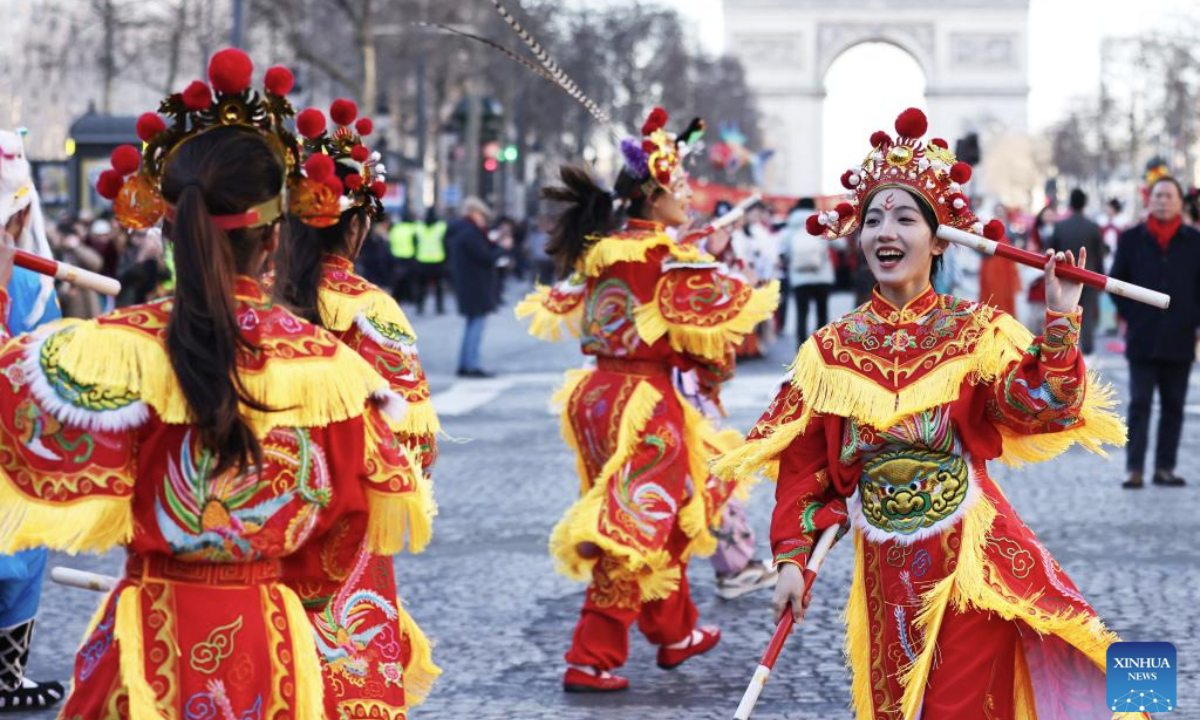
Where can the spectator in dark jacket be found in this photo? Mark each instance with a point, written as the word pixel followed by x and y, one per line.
pixel 473 268
pixel 1162 254
pixel 1076 232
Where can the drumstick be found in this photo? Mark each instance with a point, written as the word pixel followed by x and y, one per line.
pixel 67 272
pixel 783 629
pixel 83 579
pixel 1070 272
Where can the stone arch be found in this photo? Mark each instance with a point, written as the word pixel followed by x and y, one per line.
pixel 973 54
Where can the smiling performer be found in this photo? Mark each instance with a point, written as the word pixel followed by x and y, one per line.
pixel 890 418
pixel 642 305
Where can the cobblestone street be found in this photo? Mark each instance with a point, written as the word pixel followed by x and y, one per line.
pixel 486 591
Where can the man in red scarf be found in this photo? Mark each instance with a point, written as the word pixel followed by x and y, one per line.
pixel 1162 254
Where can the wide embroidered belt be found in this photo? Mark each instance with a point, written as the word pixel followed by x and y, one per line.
pixel 906 491
pixel 159 567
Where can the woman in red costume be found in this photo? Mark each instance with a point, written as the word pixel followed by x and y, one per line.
pixel 375 660
pixel 642 305
pixel 215 435
pixel 888 423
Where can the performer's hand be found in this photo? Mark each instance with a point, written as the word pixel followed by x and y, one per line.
pixel 1062 296
pixel 719 241
pixel 790 589
pixel 8 251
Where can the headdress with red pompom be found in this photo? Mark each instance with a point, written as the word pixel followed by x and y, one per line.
pixel 658 158
pixel 929 170
pixel 321 196
pixel 134 183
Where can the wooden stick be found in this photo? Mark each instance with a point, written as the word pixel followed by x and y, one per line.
pixel 67 272
pixel 783 629
pixel 1032 259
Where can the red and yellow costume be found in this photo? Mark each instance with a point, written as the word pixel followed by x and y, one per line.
pixel 642 305
pixel 97 450
pixel 888 423
pixel 376 662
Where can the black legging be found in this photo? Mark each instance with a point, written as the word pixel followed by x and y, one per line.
pixel 803 293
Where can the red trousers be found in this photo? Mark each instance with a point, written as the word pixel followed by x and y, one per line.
pixel 612 605
pixel 974 675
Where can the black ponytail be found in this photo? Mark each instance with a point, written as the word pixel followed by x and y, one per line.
pixel 589 211
pixel 224 171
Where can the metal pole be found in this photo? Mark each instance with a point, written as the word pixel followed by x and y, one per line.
pixel 235 34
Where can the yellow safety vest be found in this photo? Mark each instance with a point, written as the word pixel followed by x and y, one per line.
pixel 401 239
pixel 431 243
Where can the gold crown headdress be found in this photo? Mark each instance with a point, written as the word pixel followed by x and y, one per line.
pixel 326 196
pixel 134 183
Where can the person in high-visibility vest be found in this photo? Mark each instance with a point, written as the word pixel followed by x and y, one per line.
pixel 431 261
pixel 402 238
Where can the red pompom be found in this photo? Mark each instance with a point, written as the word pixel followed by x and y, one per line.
pixel 310 123
pixel 229 71
pixel 846 179
pixel 279 80
pixel 994 230
pixel 844 210
pixel 333 183
pixel 126 159
pixel 196 96
pixel 343 111
pixel 960 172
pixel 648 146
pixel 379 188
pixel 655 121
pixel 109 184
pixel 940 143
pixel 880 139
pixel 360 153
pixel 911 123
pixel 953 201
pixel 814 226
pixel 149 125
pixel 364 127
pixel 354 182
pixel 319 166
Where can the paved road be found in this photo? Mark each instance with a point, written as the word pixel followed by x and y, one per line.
pixel 486 592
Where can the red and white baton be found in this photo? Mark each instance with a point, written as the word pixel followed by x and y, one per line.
pixel 1032 259
pixel 67 272
pixel 783 629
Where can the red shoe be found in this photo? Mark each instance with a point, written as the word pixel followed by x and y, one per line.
pixel 699 642
pixel 582 681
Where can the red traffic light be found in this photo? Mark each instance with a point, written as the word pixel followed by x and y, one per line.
pixel 490 164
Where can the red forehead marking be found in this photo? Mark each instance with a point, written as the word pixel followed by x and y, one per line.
pixel 889 201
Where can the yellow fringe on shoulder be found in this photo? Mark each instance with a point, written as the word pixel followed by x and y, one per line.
pixel 420 672
pixel 392 518
pixel 609 251
pixel 710 342
pixel 310 687
pixel 1101 425
pixel 143 701
pixel 338 310
pixel 91 524
pixel 761 456
pixel 545 323
pixel 113 357
pixel 653 572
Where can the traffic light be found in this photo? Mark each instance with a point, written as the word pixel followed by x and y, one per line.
pixel 490 164
pixel 510 153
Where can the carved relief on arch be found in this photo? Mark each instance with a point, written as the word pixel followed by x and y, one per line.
pixel 772 50
pixel 915 38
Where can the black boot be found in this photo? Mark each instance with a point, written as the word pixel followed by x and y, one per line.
pixel 16 691
pixel 1168 478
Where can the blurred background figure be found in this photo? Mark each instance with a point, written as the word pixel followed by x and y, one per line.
pixel 999 282
pixel 473 261
pixel 402 238
pixel 431 261
pixel 1162 254
pixel 809 269
pixel 1076 232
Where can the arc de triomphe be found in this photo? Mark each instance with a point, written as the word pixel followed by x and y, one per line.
pixel 973 52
